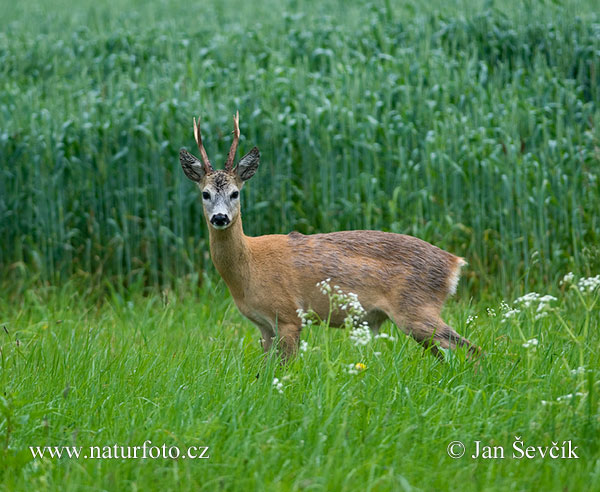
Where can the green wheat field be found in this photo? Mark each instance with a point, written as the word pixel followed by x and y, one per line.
pixel 470 124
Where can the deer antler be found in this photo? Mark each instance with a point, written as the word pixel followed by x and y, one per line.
pixel 207 165
pixel 234 144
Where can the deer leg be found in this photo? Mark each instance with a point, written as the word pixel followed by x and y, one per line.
pixel 448 338
pixel 289 335
pixel 434 334
pixel 425 333
pixel 268 335
pixel 375 318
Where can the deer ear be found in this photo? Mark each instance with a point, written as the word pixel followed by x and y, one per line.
pixel 192 167
pixel 248 165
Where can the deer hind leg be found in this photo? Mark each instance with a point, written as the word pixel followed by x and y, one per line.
pixel 447 338
pixel 432 333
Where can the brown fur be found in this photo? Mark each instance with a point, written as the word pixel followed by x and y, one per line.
pixel 396 277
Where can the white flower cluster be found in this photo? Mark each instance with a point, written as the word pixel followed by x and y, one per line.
pixel 585 284
pixel 579 370
pixel 564 398
pixel 385 336
pixel 278 385
pixel 530 300
pixel 569 396
pixel 567 279
pixel 511 313
pixel 491 312
pixel 531 343
pixel 303 345
pixel 307 317
pixel 588 284
pixel 340 300
pixel 471 319
pixel 360 333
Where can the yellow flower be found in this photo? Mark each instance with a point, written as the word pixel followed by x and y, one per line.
pixel 360 366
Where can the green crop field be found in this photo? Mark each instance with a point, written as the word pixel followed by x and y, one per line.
pixel 470 124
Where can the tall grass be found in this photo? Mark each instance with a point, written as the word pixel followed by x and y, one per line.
pixel 77 370
pixel 470 126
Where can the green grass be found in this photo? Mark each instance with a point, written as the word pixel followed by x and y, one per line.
pixel 469 124
pixel 180 369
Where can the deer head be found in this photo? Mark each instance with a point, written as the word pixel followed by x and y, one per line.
pixel 220 188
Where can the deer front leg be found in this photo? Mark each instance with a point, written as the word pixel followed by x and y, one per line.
pixel 289 334
pixel 268 335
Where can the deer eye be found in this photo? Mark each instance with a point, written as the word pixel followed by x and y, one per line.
pixel 235 194
pixel 206 195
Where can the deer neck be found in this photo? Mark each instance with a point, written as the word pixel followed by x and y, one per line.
pixel 230 254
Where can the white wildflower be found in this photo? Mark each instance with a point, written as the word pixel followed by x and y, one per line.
pixel 567 279
pixel 527 299
pixel 324 286
pixel 303 345
pixel 471 319
pixel 569 396
pixel 278 385
pixel 491 312
pixel 361 335
pixel 307 317
pixel 588 284
pixel 544 306
pixel 511 313
pixel 531 343
pixel 530 300
pixel 579 370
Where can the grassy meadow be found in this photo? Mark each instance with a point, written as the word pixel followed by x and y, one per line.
pixel 470 124
pixel 181 370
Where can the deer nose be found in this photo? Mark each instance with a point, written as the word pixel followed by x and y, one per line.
pixel 219 220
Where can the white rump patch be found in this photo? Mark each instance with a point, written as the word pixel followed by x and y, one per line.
pixel 455 276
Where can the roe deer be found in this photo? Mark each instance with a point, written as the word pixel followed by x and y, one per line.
pixel 270 277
